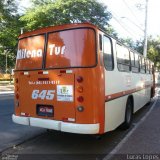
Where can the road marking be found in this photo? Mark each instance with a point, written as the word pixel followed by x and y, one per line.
pixel 118 147
pixel 7 92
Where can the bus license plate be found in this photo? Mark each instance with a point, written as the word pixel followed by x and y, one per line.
pixel 45 110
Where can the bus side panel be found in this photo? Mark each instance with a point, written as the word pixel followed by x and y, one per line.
pixel 114 113
pixel 114 109
pixel 116 83
pixel 144 95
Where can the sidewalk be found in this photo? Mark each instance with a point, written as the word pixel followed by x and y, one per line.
pixel 6 88
pixel 143 141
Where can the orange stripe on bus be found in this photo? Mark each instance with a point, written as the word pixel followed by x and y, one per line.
pixel 124 93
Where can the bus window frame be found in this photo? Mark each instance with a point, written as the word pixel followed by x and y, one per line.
pixel 100 42
pixel 147 66
pixel 45 50
pixel 111 52
pixel 134 68
pixel 136 54
pixel 142 68
pixel 129 65
pixel 133 58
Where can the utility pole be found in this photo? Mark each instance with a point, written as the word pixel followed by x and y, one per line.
pixel 21 30
pixel 145 30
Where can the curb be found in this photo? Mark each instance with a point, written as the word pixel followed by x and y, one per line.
pixel 7 92
pixel 125 139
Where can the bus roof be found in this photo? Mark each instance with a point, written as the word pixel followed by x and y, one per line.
pixel 70 26
pixel 56 28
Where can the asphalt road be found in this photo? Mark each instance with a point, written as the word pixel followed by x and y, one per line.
pixel 35 142
pixel 10 133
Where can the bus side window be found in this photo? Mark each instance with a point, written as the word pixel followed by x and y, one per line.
pixel 136 63
pixel 142 64
pixel 107 53
pixel 147 66
pixel 132 59
pixel 123 58
pixel 133 65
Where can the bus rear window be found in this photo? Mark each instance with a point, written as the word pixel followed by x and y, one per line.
pixel 30 53
pixel 71 48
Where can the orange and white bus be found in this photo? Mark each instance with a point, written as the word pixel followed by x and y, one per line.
pixel 157 77
pixel 75 78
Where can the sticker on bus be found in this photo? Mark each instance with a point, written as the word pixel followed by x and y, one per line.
pixel 65 93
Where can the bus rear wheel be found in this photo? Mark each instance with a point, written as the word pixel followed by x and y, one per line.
pixel 128 115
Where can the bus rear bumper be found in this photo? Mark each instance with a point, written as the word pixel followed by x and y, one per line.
pixel 57 125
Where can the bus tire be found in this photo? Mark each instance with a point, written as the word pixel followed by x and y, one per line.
pixel 152 93
pixel 50 130
pixel 97 136
pixel 151 96
pixel 128 115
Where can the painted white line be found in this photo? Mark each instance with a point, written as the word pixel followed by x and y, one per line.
pixel 119 146
pixel 7 92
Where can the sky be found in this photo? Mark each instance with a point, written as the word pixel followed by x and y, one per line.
pixel 134 21
pixel 129 17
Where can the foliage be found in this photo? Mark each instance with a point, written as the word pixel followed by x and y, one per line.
pixel 153 49
pixel 44 13
pixel 56 12
pixel 9 30
pixel 128 42
pixel 110 30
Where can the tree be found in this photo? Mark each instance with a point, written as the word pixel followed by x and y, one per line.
pixel 153 49
pixel 56 12
pixel 9 30
pixel 110 30
pixel 44 13
pixel 128 42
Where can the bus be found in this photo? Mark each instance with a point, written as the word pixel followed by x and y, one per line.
pixel 76 78
pixel 157 77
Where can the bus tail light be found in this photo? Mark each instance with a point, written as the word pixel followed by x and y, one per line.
pixel 24 73
pixel 25 114
pixel 80 108
pixel 80 99
pixel 79 79
pixel 43 72
pixel 66 71
pixel 64 119
pixel 80 89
